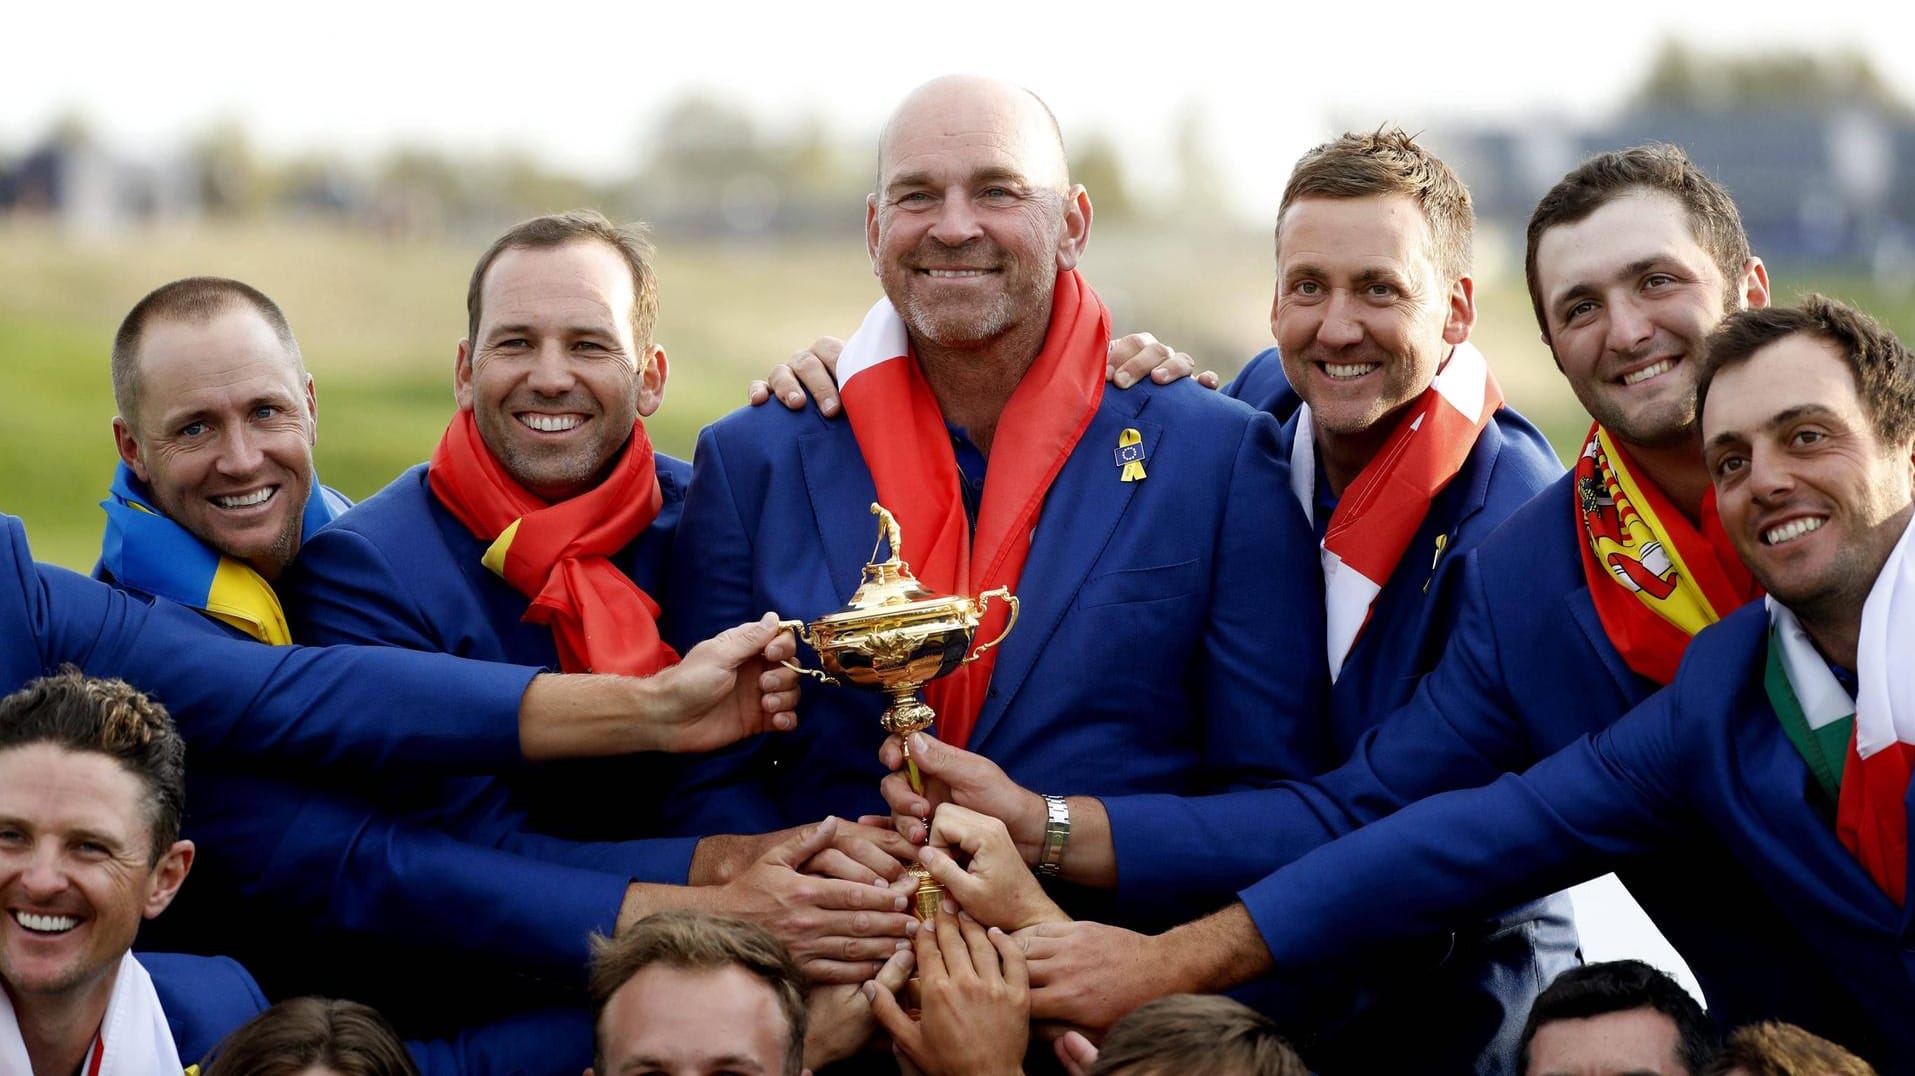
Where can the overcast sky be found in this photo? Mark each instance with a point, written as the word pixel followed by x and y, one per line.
pixel 575 81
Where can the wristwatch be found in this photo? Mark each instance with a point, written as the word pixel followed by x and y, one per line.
pixel 1057 832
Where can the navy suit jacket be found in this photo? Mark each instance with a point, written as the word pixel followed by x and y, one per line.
pixel 1702 764
pixel 1171 630
pixel 1528 671
pixel 1486 978
pixel 246 704
pixel 456 865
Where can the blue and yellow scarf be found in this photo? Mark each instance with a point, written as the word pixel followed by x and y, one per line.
pixel 146 551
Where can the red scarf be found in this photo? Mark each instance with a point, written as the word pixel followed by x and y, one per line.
pixel 1655 579
pixel 902 435
pixel 558 555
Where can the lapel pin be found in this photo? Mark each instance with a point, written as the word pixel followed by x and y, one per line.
pixel 1130 455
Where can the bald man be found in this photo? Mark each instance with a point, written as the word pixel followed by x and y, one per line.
pixel 1170 634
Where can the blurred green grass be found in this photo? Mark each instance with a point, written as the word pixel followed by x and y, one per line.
pixel 378 320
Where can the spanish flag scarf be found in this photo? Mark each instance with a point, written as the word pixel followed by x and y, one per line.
pixel 559 555
pixel 903 438
pixel 146 551
pixel 1862 751
pixel 1383 507
pixel 1655 579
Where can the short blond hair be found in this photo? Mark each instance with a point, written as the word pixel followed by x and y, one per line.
pixel 1389 161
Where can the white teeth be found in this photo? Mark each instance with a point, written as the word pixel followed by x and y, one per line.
pixel 1649 371
pixel 552 423
pixel 1793 529
pixel 944 273
pixel 1352 369
pixel 46 924
pixel 246 500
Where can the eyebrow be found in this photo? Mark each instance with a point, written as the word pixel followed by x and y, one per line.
pixel 1780 418
pixel 526 329
pixel 1585 287
pixel 994 174
pixel 739 1062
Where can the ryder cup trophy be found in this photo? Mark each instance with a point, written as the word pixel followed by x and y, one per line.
pixel 894 636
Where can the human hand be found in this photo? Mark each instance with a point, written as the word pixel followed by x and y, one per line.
pixel 838 931
pixel 1075 1052
pixel 726 688
pixel 1089 974
pixel 976 1002
pixel 841 1020
pixel 993 884
pixel 1131 358
pixel 811 372
pixel 867 850
pixel 952 774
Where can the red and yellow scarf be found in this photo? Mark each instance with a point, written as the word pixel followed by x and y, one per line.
pixel 559 555
pixel 904 440
pixel 1655 579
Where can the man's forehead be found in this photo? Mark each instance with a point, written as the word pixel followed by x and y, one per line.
pixel 1370 228
pixel 1632 229
pixel 980 124
pixel 1794 373
pixel 88 790
pixel 578 275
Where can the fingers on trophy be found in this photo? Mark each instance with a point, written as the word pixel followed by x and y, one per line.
pixel 894 636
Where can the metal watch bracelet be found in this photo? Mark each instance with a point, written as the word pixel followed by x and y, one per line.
pixel 1057 833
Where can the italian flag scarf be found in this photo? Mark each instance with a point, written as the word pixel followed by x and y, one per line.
pixel 559 555
pixel 133 1038
pixel 903 438
pixel 1655 579
pixel 1861 751
pixel 147 551
pixel 1381 510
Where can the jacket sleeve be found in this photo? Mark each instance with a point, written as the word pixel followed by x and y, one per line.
pixel 1461 856
pixel 1459 729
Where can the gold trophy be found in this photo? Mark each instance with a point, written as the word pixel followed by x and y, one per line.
pixel 894 636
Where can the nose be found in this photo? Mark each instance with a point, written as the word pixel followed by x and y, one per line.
pixel 43 877
pixel 1341 327
pixel 240 453
pixel 957 222
pixel 1770 478
pixel 1629 326
pixel 551 373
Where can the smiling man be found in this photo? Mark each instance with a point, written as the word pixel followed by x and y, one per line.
pixel 1165 577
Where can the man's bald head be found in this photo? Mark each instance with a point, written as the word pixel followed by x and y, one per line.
pixel 954 105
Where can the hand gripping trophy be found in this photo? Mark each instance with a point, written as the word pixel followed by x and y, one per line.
pixel 895 636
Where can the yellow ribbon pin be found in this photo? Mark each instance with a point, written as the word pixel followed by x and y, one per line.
pixel 1130 455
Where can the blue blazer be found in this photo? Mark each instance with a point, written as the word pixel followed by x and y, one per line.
pixel 252 705
pixel 206 998
pixel 1460 1007
pixel 1171 633
pixel 1702 765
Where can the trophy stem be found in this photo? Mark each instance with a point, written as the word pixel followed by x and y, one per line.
pixel 930 895
pixel 906 715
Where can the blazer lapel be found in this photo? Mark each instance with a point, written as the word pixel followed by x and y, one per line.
pixel 842 493
pixel 1081 513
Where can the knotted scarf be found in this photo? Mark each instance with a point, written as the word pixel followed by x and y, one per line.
pixel 146 551
pixel 901 433
pixel 559 555
pixel 1385 505
pixel 1655 579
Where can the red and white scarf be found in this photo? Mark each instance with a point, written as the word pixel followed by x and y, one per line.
pixel 1872 815
pixel 902 435
pixel 1382 509
pixel 133 1038
pixel 559 554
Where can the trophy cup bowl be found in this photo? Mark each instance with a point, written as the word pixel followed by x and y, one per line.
pixel 894 636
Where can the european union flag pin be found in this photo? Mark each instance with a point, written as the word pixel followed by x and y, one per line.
pixel 1130 455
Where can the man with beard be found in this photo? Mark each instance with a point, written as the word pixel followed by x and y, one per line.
pixel 1169 622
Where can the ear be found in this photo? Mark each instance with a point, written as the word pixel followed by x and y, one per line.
pixel 164 882
pixel 312 412
pixel 1076 235
pixel 1755 284
pixel 462 376
pixel 1461 317
pixel 129 447
pixel 871 231
pixel 651 382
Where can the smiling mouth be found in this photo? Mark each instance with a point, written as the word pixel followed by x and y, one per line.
pixel 45 924
pixel 1793 529
pixel 955 274
pixel 1652 370
pixel 1345 371
pixel 551 423
pixel 245 500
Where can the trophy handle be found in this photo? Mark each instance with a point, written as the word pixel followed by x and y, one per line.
pixel 798 628
pixel 983 601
